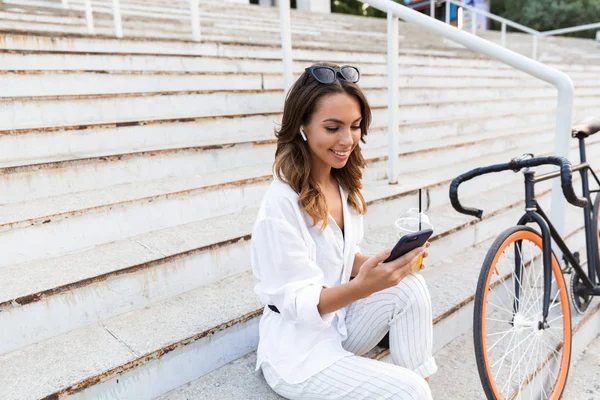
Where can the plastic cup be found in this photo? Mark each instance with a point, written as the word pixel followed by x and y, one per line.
pixel 409 223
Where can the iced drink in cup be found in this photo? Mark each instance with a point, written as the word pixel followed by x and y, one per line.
pixel 410 222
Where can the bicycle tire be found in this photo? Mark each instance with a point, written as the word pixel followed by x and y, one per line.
pixel 489 267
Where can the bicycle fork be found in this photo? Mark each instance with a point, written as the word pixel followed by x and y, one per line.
pixel 531 216
pixel 520 265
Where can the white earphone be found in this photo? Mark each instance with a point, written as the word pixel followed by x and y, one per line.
pixel 302 133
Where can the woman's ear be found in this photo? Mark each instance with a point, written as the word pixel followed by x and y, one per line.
pixel 302 133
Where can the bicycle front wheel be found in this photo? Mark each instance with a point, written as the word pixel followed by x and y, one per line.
pixel 517 356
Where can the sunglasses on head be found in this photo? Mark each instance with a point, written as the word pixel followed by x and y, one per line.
pixel 325 74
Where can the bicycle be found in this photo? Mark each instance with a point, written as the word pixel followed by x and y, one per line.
pixel 521 309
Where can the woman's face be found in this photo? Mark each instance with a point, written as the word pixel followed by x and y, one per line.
pixel 334 128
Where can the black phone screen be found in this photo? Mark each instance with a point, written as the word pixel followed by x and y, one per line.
pixel 409 242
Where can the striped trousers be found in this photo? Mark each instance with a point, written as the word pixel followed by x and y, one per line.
pixel 405 311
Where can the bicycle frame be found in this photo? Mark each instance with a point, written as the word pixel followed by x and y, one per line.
pixel 535 214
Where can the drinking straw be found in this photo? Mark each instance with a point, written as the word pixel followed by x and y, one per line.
pixel 419 209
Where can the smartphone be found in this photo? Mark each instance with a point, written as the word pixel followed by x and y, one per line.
pixel 409 242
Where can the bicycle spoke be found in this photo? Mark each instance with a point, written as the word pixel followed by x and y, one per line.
pixel 497 297
pixel 554 319
pixel 537 358
pixel 512 361
pixel 551 349
pixel 555 305
pixel 500 308
pixel 519 362
pixel 527 366
pixel 498 341
pixel 503 358
pixel 537 301
pixel 532 270
pixel 506 354
pixel 498 320
pixel 500 333
pixel 540 275
pixel 556 337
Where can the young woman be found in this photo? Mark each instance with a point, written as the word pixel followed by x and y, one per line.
pixel 318 321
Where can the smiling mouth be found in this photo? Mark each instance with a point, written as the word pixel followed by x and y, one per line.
pixel 341 154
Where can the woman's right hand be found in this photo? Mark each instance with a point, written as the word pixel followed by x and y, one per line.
pixel 375 275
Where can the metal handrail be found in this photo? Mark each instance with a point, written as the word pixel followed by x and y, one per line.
pixel 494 17
pixel 572 29
pixel 553 76
pixel 503 21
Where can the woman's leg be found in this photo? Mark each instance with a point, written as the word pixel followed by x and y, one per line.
pixel 354 377
pixel 405 311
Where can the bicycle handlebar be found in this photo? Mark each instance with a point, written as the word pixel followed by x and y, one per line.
pixel 566 177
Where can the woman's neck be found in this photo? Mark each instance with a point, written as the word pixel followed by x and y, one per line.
pixel 322 174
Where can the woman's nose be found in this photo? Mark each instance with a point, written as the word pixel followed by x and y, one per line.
pixel 346 138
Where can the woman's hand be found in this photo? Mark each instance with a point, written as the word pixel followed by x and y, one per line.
pixel 375 275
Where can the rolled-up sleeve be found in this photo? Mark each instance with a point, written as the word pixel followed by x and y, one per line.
pixel 289 279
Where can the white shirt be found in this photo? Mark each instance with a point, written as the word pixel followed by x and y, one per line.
pixel 293 261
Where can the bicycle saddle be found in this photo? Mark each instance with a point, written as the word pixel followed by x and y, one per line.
pixel 586 128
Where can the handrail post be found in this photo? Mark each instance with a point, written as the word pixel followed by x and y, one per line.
pixel 195 19
pixel 286 43
pixel 89 16
pixel 117 19
pixel 473 22
pixel 503 35
pixel 534 49
pixel 432 8
pixel 393 117
pixel 562 141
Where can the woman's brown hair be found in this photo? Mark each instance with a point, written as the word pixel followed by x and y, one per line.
pixel 292 157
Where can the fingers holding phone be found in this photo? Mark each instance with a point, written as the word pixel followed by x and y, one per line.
pixel 406 264
pixel 376 274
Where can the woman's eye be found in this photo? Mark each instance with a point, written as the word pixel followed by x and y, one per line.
pixel 335 129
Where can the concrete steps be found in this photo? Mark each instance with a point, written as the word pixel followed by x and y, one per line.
pixel 60 83
pixel 60 222
pixel 40 112
pixel 26 83
pixel 304 25
pixel 584 375
pixel 161 344
pixel 45 145
pixel 156 300
pixel 56 178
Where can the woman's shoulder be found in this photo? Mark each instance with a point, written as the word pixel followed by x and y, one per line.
pixel 279 201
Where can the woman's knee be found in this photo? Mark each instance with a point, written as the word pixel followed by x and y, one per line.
pixel 413 290
pixel 412 387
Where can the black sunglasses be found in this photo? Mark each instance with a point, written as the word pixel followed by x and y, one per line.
pixel 325 74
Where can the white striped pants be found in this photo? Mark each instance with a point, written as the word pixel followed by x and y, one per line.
pixel 405 311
